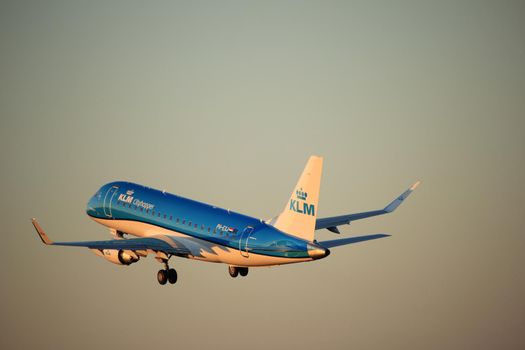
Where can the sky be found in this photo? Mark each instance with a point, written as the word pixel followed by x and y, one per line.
pixel 224 102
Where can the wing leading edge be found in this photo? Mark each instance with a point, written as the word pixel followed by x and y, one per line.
pixel 332 222
pixel 166 244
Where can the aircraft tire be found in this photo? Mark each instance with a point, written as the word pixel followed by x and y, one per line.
pixel 172 276
pixel 234 271
pixel 243 271
pixel 162 277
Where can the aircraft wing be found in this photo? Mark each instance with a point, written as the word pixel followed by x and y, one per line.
pixel 331 223
pixel 163 243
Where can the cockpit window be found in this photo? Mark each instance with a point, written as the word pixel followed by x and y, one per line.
pixel 283 243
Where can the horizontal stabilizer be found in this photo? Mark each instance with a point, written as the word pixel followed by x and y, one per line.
pixel 350 240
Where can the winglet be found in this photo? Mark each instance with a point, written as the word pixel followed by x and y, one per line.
pixel 41 232
pixel 413 187
pixel 396 202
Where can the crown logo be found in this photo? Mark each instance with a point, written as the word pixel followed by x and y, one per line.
pixel 301 194
pixel 130 192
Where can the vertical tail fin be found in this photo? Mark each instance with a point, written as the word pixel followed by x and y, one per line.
pixel 300 212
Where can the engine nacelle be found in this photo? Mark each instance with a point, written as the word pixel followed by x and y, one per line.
pixel 120 257
pixel 117 234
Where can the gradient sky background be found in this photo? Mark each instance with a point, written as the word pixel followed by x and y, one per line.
pixel 223 102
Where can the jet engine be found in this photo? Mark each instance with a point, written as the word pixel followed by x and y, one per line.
pixel 120 257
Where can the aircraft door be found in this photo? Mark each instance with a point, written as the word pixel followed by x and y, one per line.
pixel 243 241
pixel 108 199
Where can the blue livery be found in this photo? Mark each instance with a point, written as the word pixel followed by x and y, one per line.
pixel 145 221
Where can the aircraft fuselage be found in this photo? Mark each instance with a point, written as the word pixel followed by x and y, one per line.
pixel 211 234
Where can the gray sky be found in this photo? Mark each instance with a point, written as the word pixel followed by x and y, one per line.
pixel 223 102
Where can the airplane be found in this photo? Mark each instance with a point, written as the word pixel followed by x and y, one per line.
pixel 167 225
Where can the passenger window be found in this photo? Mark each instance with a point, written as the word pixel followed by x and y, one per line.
pixel 141 209
pixel 177 221
pixel 164 216
pixel 208 230
pixel 158 214
pixel 189 223
pixel 183 221
pixel 147 211
pixel 153 212
pixel 195 225
pixel 171 217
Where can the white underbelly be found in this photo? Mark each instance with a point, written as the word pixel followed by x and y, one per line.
pixel 200 249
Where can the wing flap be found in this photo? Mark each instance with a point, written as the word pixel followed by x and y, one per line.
pixel 158 244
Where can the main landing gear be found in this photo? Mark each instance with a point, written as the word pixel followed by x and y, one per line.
pixel 167 275
pixel 235 271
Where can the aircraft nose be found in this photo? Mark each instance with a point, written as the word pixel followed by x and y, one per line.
pixel 317 252
pixel 91 208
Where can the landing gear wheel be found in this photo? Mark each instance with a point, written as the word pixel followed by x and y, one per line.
pixel 162 277
pixel 234 271
pixel 243 271
pixel 172 276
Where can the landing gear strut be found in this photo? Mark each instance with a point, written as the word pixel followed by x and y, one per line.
pixel 235 271
pixel 167 275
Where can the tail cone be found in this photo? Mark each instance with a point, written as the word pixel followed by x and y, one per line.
pixel 317 252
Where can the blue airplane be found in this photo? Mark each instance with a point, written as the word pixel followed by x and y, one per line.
pixel 167 225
